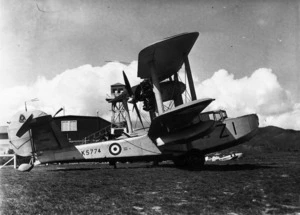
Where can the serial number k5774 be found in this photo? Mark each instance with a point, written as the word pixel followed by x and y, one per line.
pixel 91 151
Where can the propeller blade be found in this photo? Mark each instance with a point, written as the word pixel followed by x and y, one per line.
pixel 57 112
pixel 138 113
pixel 127 85
pixel 130 93
pixel 25 127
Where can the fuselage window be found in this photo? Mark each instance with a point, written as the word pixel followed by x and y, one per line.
pixel 69 125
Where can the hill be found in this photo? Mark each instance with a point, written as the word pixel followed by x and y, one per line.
pixel 272 139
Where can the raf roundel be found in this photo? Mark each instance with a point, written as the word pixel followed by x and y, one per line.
pixel 115 149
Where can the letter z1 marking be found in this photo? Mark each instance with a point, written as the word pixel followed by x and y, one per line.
pixel 234 128
pixel 223 134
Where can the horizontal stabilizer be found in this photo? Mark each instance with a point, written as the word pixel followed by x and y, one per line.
pixel 45 135
pixel 30 122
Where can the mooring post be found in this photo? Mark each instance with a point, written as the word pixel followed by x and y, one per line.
pixel 15 161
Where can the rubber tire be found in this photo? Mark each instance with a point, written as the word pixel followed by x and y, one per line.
pixel 180 161
pixel 195 159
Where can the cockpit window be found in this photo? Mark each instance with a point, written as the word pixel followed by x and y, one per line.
pixel 224 114
pixel 218 116
pixel 211 116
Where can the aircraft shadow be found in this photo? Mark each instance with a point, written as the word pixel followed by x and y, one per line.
pixel 221 167
pixel 66 169
pixel 73 169
pixel 234 167
pixel 207 167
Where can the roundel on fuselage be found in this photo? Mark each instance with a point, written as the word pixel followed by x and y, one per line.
pixel 115 149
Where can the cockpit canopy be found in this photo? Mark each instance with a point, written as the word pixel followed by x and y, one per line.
pixel 218 115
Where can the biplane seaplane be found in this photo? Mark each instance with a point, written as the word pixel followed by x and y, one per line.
pixel 184 134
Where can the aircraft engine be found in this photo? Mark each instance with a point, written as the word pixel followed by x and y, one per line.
pixel 169 91
pixel 144 92
pixel 22 145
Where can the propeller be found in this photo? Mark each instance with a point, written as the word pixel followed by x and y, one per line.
pixel 130 93
pixel 57 112
pixel 138 113
pixel 25 127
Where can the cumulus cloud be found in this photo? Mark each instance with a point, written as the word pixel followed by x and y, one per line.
pixel 260 93
pixel 286 120
pixel 83 91
pixel 80 90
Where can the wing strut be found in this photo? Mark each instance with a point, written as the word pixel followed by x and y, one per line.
pixel 127 116
pixel 190 77
pixel 156 89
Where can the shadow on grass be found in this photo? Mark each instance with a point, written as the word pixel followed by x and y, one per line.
pixel 222 167
pixel 72 169
pixel 235 167
pixel 207 167
pixel 65 169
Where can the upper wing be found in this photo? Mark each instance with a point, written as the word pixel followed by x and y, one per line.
pixel 167 55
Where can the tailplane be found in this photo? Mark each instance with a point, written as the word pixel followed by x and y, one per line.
pixel 33 132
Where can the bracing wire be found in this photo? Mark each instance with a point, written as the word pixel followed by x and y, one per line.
pixel 187 95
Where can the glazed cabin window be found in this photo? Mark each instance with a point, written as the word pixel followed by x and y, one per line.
pixel 224 114
pixel 218 116
pixel 211 116
pixel 206 116
pixel 69 125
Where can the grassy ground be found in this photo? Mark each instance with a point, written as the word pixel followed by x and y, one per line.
pixel 256 184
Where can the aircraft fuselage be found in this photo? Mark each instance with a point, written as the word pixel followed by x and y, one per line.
pixel 119 149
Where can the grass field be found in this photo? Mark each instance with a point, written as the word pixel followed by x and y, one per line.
pixel 256 184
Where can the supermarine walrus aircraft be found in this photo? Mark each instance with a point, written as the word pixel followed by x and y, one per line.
pixel 183 134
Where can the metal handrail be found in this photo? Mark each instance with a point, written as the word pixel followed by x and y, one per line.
pixel 14 157
pixel 96 136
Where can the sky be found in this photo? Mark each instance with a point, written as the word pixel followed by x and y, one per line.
pixel 246 56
